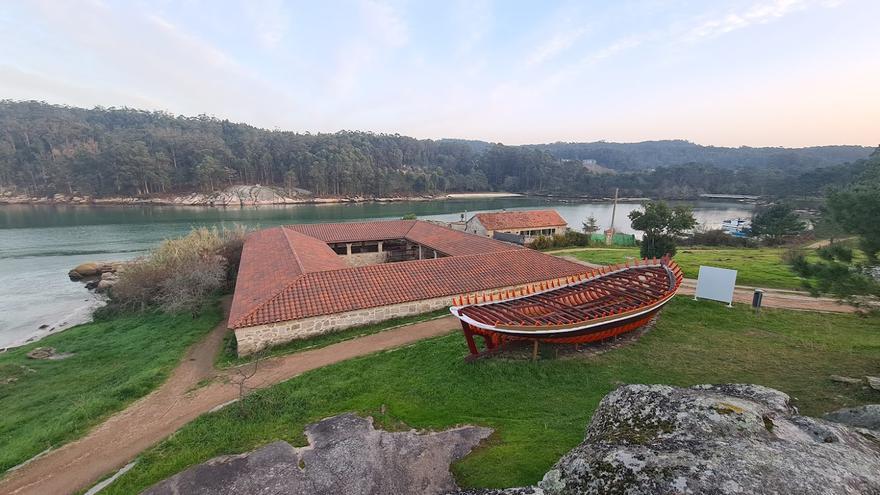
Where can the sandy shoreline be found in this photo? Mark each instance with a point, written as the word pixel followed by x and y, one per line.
pixel 177 201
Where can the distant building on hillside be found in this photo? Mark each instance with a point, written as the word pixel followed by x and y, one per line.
pixel 525 224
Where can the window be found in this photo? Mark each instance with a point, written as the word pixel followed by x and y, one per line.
pixel 537 232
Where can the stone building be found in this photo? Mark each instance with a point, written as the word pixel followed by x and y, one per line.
pixel 299 281
pixel 527 224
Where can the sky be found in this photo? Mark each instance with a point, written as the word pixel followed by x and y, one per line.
pixel 727 73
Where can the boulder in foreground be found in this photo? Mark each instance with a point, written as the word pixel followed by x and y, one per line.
pixel 718 439
pixel 345 455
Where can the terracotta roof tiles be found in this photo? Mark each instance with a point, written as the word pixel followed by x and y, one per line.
pixel 530 219
pixel 288 273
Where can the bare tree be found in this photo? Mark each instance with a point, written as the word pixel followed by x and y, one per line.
pixel 244 373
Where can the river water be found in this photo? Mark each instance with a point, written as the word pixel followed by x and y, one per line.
pixel 39 244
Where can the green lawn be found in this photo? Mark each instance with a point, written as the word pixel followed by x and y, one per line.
pixel 229 357
pixel 539 410
pixel 46 403
pixel 759 267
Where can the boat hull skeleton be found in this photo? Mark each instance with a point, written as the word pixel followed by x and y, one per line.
pixel 598 305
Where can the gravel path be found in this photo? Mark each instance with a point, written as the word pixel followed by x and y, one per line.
pixel 773 298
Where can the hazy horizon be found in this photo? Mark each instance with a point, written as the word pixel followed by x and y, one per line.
pixel 761 73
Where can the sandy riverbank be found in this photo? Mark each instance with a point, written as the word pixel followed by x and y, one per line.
pixel 254 195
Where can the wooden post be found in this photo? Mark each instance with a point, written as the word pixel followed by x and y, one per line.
pixel 535 351
pixel 469 337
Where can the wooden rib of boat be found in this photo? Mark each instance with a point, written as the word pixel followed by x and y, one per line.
pixel 598 305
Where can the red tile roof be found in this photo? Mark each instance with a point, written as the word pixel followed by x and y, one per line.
pixel 447 241
pixel 356 231
pixel 285 274
pixel 455 242
pixel 529 219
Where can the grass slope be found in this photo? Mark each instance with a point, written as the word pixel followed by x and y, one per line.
pixel 759 267
pixel 46 403
pixel 538 410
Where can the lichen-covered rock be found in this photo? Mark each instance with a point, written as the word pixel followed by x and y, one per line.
pixel 722 439
pixel 711 439
pixel 346 455
pixel 862 417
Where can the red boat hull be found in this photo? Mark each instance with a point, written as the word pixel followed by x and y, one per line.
pixel 605 304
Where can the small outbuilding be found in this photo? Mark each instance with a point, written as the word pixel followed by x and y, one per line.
pixel 527 224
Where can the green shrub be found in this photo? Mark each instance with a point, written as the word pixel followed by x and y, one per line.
pixel 798 262
pixel 657 246
pixel 181 274
pixel 716 237
pixel 570 238
pixel 834 252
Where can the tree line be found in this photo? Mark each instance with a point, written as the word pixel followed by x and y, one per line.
pixel 48 149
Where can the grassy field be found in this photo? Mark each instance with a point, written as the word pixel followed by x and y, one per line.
pixel 759 267
pixel 115 361
pixel 229 357
pixel 539 410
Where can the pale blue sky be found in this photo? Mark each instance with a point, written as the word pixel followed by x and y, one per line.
pixel 740 72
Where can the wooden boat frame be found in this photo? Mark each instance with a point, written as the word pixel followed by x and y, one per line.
pixel 597 305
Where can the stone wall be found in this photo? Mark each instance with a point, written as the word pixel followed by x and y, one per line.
pixel 363 259
pixel 252 339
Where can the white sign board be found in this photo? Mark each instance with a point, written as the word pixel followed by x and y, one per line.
pixel 716 284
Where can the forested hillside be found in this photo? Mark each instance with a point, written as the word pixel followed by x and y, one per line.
pixel 652 154
pixel 47 149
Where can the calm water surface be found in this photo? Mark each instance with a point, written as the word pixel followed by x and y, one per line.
pixel 39 244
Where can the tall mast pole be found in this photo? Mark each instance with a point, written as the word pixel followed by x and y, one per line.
pixel 609 234
pixel 614 208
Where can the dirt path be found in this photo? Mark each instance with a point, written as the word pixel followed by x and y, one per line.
pixel 111 445
pixel 826 242
pixel 773 298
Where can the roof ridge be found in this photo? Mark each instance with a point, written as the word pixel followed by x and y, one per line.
pixel 412 226
pixel 293 250
pixel 261 305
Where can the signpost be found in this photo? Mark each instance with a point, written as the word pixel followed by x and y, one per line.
pixel 716 284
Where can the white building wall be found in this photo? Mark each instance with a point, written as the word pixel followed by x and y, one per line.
pixel 473 226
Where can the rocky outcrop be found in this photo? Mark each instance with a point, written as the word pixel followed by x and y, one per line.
pixel 94 270
pixel 246 195
pixel 862 417
pixel 345 455
pixel 99 276
pixel 718 439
